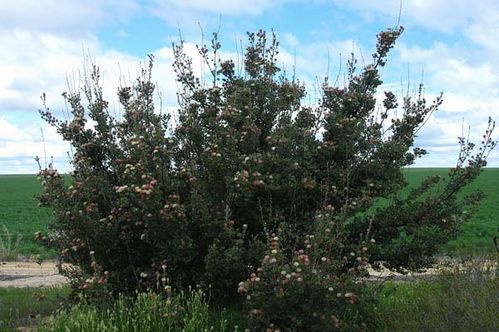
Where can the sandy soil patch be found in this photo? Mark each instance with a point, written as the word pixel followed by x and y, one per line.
pixel 30 274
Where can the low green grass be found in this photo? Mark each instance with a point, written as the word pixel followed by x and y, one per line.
pixel 455 301
pixel 19 212
pixel 148 312
pixel 25 306
pixel 48 309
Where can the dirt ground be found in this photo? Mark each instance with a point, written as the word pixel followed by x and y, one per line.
pixel 30 274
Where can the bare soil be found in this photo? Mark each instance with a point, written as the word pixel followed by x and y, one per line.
pixel 30 274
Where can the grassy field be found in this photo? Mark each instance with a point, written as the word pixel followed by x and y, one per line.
pixel 476 235
pixel 20 214
pixel 24 306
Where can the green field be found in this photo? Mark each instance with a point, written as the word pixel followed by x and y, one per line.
pixel 20 214
pixel 477 235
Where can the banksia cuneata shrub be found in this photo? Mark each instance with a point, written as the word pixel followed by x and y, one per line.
pixel 152 205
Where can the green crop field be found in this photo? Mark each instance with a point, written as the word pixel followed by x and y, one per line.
pixel 476 235
pixel 21 216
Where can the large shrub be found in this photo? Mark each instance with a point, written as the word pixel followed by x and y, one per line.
pixel 151 206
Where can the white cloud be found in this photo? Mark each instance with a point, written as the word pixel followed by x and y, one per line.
pixel 122 33
pixel 316 59
pixel 43 42
pixel 64 17
pixel 466 71
pixel 33 63
pixel 186 14
pixel 45 62
pixel 484 31
pixel 291 39
pixel 171 9
pixel 41 65
pixel 19 144
pixel 10 132
pixel 439 15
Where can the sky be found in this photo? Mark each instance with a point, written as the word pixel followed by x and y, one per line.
pixel 450 46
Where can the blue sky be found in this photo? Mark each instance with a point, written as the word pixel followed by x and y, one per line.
pixel 44 42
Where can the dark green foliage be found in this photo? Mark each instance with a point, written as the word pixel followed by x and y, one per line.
pixel 21 215
pixel 413 228
pixel 312 290
pixel 201 204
